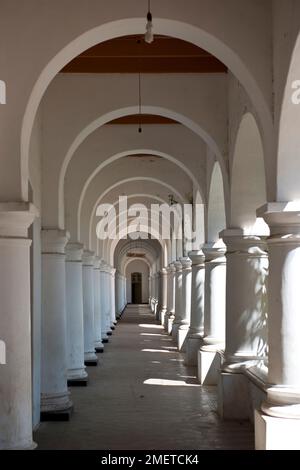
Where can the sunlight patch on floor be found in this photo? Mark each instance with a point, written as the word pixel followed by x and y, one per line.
pixel 169 383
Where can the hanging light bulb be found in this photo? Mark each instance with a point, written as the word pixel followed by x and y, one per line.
pixel 140 104
pixel 149 26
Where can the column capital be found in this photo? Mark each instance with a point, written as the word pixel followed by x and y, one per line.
pixel 74 251
pixel 97 261
pixel 178 266
pixel 214 251
pixel 282 218
pixel 164 271
pixel 16 218
pixel 237 241
pixel 197 257
pixel 54 241
pixel 186 263
pixel 103 265
pixel 172 268
pixel 88 258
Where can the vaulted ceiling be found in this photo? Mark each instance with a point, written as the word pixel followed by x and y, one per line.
pixel 131 54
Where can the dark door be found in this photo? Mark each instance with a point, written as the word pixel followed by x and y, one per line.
pixel 136 288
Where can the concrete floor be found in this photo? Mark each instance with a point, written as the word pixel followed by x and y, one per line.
pixel 141 396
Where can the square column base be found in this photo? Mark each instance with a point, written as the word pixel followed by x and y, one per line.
pixel 276 433
pixel 78 382
pixel 209 365
pixel 91 362
pixel 233 397
pixel 63 415
pixel 170 322
pixel 182 338
pixel 192 348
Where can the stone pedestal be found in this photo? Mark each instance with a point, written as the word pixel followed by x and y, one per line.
pixel 277 424
pixel 90 358
pixel 214 314
pixel 164 293
pixel 246 315
pixel 76 372
pixel 15 334
pixel 104 320
pixel 97 307
pixel 185 316
pixel 112 288
pixel 55 397
pixel 178 299
pixel 171 300
pixel 196 329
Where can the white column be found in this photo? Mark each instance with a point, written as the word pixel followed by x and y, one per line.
pixel 164 293
pixel 90 357
pixel 97 307
pixel 277 424
pixel 185 316
pixel 166 316
pixel 104 327
pixel 76 372
pixel 209 361
pixel 178 299
pixel 245 341
pixel 124 292
pixel 107 299
pixel 15 334
pixel 55 397
pixel 112 297
pixel 171 305
pixel 196 330
pixel 151 293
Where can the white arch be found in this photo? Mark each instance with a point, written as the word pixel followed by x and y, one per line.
pixel 216 219
pixel 248 184
pixel 288 165
pixel 125 27
pixel 144 229
pixel 127 153
pixel 119 183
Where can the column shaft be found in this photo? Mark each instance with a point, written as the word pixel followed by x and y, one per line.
pixel 277 424
pixel 245 341
pixel 74 306
pixel 185 316
pixel 209 362
pixel 54 392
pixel 90 357
pixel 196 330
pixel 97 307
pixel 15 327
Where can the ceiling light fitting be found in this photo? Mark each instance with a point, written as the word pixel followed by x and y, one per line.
pixel 149 37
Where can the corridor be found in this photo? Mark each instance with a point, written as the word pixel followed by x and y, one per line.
pixel 142 396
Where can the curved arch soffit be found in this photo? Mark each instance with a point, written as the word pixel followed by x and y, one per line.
pixel 127 27
pixel 119 183
pixel 151 254
pixel 216 209
pixel 248 171
pixel 288 165
pixel 126 154
pixel 143 260
pixel 143 196
pixel 144 229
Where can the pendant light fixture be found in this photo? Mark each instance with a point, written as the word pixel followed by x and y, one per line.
pixel 149 26
pixel 140 104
